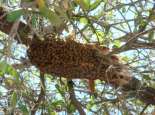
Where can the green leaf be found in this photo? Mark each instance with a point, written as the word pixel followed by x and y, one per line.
pixel 101 36
pixel 14 99
pixel 146 77
pixel 91 103
pixel 83 20
pixel 152 15
pixel 14 15
pixel 85 4
pixel 125 58
pixel 52 16
pixel 71 108
pixel 57 103
pixel 3 67
pixel 123 9
pixel 117 43
pixel 34 20
pixel 151 36
pixel 107 28
pixel 53 113
pixel 89 106
pixel 8 69
pixel 95 4
pixel 61 14
pixel 60 90
pixel 142 24
pixel 23 108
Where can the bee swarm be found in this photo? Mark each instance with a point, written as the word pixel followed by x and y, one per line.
pixel 73 60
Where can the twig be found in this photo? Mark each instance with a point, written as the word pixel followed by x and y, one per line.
pixel 22 65
pixel 141 113
pixel 122 5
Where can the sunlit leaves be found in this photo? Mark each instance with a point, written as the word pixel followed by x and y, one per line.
pixel 12 81
pixel 7 69
pixel 60 90
pixel 95 4
pixel 88 4
pixel 90 104
pixel 142 25
pixel 104 16
pixel 140 22
pixel 83 20
pixel 117 44
pixel 23 108
pixel 85 4
pixel 101 36
pixel 14 15
pixel 49 14
pixel 56 104
pixel 71 108
pixel 125 58
pixel 53 113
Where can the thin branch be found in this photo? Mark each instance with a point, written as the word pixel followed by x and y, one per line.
pixel 122 5
pixel 132 38
pixel 22 65
pixel 142 112
pixel 124 19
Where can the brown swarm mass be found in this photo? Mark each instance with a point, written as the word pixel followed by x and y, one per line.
pixel 75 60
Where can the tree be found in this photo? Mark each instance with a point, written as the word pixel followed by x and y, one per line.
pixel 77 57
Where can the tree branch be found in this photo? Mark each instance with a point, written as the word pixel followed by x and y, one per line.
pixel 73 99
pixel 23 31
pixel 41 96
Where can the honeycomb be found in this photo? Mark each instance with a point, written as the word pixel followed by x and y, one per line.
pixel 73 60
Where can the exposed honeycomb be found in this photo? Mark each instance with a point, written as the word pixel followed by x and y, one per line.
pixel 71 59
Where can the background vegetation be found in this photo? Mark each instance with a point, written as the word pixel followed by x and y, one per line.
pixel 126 26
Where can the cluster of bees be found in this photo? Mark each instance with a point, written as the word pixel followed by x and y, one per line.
pixel 73 60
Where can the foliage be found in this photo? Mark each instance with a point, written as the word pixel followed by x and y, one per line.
pixel 126 27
